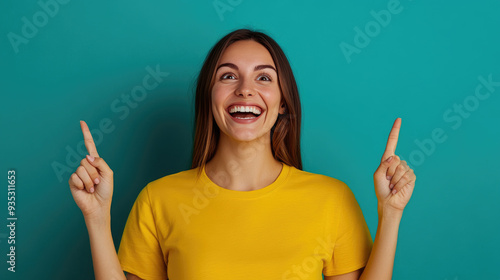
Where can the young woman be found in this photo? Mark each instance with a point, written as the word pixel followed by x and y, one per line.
pixel 245 209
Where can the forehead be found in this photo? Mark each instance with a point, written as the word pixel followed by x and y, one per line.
pixel 246 52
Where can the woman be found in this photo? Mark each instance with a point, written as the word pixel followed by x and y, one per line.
pixel 246 209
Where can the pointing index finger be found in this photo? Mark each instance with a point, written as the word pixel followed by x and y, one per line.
pixel 392 142
pixel 89 141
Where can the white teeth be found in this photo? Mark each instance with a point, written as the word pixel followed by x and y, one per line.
pixel 244 109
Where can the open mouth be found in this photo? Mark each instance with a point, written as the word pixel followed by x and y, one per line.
pixel 244 112
pixel 244 116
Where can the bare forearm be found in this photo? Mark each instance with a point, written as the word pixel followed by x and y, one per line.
pixel 104 257
pixel 381 262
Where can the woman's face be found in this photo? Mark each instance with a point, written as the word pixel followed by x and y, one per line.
pixel 246 75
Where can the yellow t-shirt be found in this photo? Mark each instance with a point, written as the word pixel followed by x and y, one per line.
pixel 298 227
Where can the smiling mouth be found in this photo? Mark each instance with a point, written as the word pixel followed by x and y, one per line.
pixel 244 116
pixel 244 112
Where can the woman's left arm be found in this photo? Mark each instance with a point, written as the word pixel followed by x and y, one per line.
pixel 394 182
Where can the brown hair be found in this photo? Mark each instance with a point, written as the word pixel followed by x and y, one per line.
pixel 285 134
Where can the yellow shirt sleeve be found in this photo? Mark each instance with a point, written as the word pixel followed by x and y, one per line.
pixel 353 241
pixel 140 252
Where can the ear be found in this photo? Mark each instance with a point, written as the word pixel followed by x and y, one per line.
pixel 282 109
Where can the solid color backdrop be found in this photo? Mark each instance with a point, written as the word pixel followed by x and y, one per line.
pixel 359 65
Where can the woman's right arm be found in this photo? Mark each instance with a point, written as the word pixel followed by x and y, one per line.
pixel 92 188
pixel 104 258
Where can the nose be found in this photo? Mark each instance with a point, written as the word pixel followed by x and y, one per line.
pixel 245 88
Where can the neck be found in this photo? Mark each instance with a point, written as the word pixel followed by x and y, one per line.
pixel 243 165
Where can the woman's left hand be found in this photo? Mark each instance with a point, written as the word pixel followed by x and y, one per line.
pixel 394 179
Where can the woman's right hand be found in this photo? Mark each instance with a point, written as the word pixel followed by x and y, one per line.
pixel 92 183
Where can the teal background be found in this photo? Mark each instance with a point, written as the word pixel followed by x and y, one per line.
pixel 90 53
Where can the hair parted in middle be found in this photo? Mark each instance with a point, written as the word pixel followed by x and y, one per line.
pixel 285 134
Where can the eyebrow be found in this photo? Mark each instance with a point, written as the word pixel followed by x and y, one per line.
pixel 256 68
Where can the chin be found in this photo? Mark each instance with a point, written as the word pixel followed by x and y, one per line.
pixel 247 136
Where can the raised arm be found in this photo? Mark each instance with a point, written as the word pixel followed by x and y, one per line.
pixel 92 188
pixel 394 183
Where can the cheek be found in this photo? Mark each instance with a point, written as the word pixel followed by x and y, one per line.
pixel 272 99
pixel 218 96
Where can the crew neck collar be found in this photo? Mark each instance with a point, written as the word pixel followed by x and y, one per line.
pixel 223 192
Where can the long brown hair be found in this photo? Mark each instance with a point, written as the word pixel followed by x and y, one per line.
pixel 285 134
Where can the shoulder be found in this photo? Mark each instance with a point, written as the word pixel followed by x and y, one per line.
pixel 185 175
pixel 320 183
pixel 172 184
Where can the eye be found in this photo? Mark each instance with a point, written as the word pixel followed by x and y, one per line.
pixel 265 76
pixel 225 75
